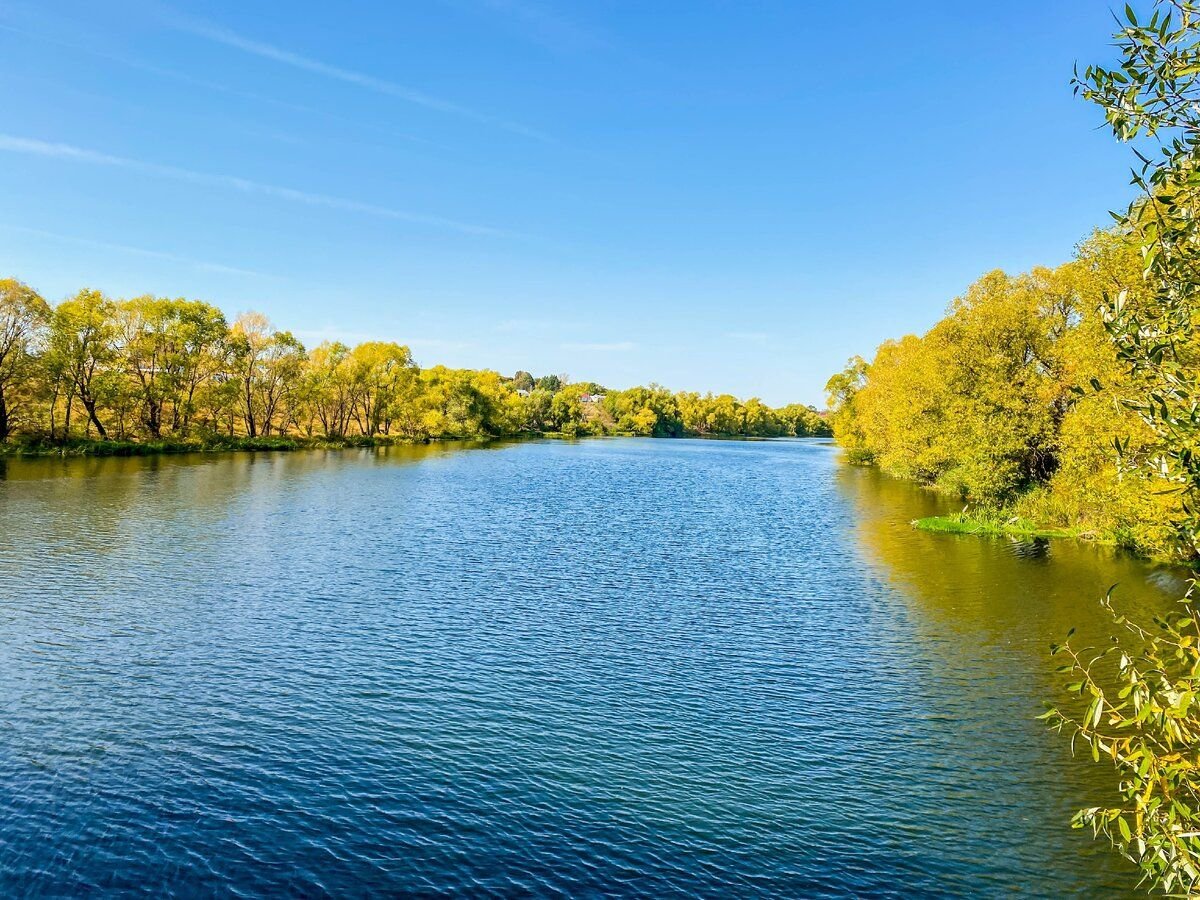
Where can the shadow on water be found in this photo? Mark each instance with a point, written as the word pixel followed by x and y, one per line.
pixel 984 612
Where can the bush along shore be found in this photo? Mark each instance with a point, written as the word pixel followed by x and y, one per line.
pixel 1017 404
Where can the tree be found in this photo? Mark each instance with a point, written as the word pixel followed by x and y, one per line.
pixel 802 421
pixel 758 420
pixel 381 374
pixel 268 364
pixel 24 316
pixel 201 354
pixel 523 381
pixel 169 348
pixel 248 341
pixel 650 411
pixel 537 410
pixel 280 366
pixel 82 332
pixel 327 388
pixel 566 408
pixel 842 392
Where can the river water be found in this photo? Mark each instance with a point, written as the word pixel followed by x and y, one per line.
pixel 612 667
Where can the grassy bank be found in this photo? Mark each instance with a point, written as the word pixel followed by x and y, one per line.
pixel 212 444
pixel 996 526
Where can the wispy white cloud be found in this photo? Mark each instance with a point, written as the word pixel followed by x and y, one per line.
pixel 204 84
pixel 30 147
pixel 137 251
pixel 219 34
pixel 614 347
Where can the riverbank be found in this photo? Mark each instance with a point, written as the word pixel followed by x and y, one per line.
pixel 215 444
pixel 41 447
pixel 1009 522
pixel 1012 527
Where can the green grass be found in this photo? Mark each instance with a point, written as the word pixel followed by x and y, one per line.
pixel 208 444
pixel 964 523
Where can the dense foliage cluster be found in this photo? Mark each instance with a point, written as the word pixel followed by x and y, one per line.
pixel 154 368
pixel 1013 402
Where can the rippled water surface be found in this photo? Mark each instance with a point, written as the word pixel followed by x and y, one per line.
pixel 617 667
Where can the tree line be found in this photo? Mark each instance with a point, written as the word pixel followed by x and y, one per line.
pixel 157 369
pixel 1014 402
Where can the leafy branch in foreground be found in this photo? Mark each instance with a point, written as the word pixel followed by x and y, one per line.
pixel 1141 712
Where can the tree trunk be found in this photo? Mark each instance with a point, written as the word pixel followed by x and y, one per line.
pixel 90 406
pixel 251 427
pixel 154 420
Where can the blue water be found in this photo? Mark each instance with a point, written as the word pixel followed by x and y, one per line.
pixel 612 667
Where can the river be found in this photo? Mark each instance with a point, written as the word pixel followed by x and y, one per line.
pixel 619 667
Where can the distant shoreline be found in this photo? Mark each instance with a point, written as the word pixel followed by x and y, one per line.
pixel 81 447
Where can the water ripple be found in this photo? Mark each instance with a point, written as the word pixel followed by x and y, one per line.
pixel 600 669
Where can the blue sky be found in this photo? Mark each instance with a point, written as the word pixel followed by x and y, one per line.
pixel 726 195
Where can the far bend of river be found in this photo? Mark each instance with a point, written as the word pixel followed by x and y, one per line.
pixel 613 667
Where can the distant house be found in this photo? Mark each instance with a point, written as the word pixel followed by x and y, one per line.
pixel 521 392
pixel 591 398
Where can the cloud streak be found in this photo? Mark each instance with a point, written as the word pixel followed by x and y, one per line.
pixel 46 149
pixel 183 78
pixel 137 251
pixel 219 34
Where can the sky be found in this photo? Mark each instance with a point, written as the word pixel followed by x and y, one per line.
pixel 724 195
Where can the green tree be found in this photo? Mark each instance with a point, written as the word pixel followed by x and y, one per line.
pixel 381 374
pixel 326 388
pixel 201 353
pixel 523 381
pixel 842 392
pixel 82 334
pixel 169 348
pixel 537 410
pixel 269 364
pixel 24 317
